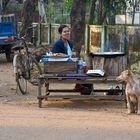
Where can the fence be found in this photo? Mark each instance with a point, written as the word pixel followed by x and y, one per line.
pixel 43 33
pixel 101 39
pixel 116 39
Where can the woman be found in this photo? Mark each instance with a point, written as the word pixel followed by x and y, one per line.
pixel 63 44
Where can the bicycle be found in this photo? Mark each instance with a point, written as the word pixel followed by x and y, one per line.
pixel 26 66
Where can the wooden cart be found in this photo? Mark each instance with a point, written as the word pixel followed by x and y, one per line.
pixel 112 60
pixel 56 72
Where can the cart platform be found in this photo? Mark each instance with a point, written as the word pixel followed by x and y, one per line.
pixel 53 78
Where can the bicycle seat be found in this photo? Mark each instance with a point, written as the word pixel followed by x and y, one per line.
pixel 16 48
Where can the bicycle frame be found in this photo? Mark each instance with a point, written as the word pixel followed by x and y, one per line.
pixel 26 67
pixel 24 57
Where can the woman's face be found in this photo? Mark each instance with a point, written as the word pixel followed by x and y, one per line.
pixel 65 35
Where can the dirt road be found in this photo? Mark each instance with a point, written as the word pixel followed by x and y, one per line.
pixel 20 117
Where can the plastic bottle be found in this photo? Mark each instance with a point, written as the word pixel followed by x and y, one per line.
pixel 85 67
pixel 80 66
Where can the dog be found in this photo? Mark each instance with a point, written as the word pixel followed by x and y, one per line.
pixel 132 91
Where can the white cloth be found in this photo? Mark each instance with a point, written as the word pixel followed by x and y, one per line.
pixel 69 51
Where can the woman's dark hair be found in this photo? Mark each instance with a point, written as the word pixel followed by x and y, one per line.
pixel 61 27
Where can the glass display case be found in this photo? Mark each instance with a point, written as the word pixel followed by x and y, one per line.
pixel 107 40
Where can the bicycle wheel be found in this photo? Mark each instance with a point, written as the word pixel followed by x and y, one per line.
pixel 35 71
pixel 22 84
pixel 18 63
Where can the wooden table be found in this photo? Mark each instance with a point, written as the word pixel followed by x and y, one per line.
pixel 52 78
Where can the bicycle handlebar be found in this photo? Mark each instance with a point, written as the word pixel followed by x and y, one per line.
pixel 24 36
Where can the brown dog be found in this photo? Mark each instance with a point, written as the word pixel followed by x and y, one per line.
pixel 132 91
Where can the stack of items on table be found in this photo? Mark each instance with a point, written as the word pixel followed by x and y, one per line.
pixel 66 65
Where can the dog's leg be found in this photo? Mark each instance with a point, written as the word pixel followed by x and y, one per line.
pixel 136 104
pixel 138 99
pixel 130 105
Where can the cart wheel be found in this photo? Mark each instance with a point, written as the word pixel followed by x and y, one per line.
pixel 114 91
pixel 8 55
pixel 39 103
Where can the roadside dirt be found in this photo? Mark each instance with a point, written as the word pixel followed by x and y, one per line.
pixel 20 117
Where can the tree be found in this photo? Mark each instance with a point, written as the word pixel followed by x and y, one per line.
pixel 77 16
pixel 28 14
pixel 4 4
pixel 98 11
pixel 105 11
pixel 132 8
pixel 92 10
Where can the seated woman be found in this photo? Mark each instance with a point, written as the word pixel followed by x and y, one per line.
pixel 63 44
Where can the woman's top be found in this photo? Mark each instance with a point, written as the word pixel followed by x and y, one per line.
pixel 59 47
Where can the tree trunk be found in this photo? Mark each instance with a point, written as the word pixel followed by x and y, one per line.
pixel 101 13
pixel 77 16
pixel 92 9
pixel 4 4
pixel 133 13
pixel 28 15
pixel 112 14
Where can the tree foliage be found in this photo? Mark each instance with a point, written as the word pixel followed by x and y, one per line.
pixel 104 11
pixel 49 10
pixel 67 4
